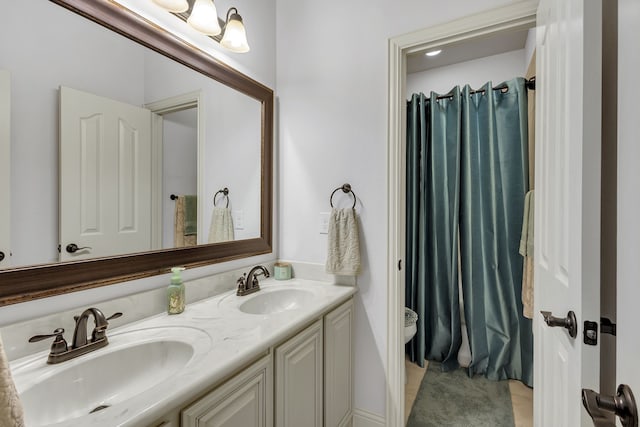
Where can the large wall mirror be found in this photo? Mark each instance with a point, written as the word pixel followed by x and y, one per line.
pixel 131 151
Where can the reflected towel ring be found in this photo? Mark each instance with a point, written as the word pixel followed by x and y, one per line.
pixel 225 193
pixel 346 188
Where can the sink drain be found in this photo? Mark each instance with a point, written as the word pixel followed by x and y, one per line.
pixel 99 408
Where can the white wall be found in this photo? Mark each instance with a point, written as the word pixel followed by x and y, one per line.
pixel 332 87
pixel 234 162
pixel 495 68
pixel 35 196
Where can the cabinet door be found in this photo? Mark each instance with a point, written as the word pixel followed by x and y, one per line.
pixel 244 401
pixel 299 379
pixel 338 362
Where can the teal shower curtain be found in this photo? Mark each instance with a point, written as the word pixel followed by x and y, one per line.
pixel 491 160
pixel 433 199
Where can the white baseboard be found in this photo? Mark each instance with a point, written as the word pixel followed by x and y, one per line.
pixel 362 418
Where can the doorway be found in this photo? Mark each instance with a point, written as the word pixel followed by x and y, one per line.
pixel 449 292
pixel 178 136
pixel 519 17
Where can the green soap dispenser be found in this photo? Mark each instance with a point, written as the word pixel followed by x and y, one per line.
pixel 175 292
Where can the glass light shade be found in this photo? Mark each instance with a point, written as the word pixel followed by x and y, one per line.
pixel 204 18
pixel 175 6
pixel 235 36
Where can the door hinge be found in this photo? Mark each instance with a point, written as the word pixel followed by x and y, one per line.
pixel 607 326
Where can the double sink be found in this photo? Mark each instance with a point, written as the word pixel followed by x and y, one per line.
pixel 147 356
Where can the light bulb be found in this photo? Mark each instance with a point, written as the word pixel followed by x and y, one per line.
pixel 235 36
pixel 204 18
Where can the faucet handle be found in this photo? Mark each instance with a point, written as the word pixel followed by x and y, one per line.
pixel 59 343
pixel 114 316
pixel 99 332
pixel 241 284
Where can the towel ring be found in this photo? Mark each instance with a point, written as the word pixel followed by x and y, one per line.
pixel 225 193
pixel 346 188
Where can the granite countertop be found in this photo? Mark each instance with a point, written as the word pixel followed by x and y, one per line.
pixel 224 341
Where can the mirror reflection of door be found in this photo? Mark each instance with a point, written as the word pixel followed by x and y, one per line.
pixel 5 168
pixel 179 177
pixel 105 176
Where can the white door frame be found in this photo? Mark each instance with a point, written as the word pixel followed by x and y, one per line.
pixel 508 18
pixel 160 108
pixel 5 167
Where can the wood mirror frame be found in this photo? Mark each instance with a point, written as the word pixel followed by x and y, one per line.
pixel 40 281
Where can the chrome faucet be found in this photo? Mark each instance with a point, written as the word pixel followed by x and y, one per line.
pixel 248 283
pixel 61 351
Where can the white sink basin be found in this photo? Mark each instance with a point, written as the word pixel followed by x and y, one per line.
pixel 131 364
pixel 276 301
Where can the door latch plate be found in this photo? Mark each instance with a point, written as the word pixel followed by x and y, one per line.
pixel 590 332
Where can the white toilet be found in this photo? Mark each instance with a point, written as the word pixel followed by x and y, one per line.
pixel 410 328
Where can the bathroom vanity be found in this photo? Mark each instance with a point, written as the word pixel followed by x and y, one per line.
pixel 279 357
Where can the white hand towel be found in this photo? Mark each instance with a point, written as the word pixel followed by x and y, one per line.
pixel 10 407
pixel 343 244
pixel 526 250
pixel 221 229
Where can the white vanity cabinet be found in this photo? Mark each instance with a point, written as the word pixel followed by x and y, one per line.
pixel 314 373
pixel 246 400
pixel 299 379
pixel 338 366
pixel 307 381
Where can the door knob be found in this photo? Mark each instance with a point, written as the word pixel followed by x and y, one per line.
pixel 569 322
pixel 72 248
pixel 623 405
pixel 1 255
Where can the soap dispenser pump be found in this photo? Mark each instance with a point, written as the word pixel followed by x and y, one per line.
pixel 175 292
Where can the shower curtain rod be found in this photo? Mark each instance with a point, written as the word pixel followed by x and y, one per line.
pixel 529 84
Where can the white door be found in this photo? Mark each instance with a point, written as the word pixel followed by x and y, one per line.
pixel 628 281
pixel 567 211
pixel 105 176
pixel 5 169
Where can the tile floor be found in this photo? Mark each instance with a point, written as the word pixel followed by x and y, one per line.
pixel 521 396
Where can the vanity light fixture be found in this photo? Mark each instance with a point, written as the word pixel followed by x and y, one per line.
pixel 235 36
pixel 433 52
pixel 203 17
